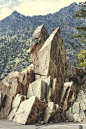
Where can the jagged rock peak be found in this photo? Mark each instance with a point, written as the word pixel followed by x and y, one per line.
pixel 39 37
pixel 15 12
pixel 51 37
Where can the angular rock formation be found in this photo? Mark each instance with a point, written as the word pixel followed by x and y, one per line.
pixel 69 95
pixel 15 105
pixel 52 55
pixel 51 59
pixel 77 112
pixel 10 83
pixel 15 83
pixel 43 83
pixel 70 73
pixel 25 78
pixel 6 82
pixel 49 92
pixel 29 111
pixel 39 37
pixel 37 88
pixel 48 111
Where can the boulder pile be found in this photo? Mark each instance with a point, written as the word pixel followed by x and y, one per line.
pixel 49 90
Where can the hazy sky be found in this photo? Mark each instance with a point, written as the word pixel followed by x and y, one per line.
pixel 33 7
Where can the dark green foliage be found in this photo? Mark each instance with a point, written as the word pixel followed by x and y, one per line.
pixel 16 31
pixel 82 59
pixel 81 14
pixel 53 117
pixel 14 55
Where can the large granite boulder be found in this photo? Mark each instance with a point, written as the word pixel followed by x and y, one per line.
pixel 37 88
pixel 15 105
pixel 30 111
pixel 6 82
pixel 9 86
pixel 25 78
pixel 39 37
pixel 52 56
pixel 77 112
pixel 15 83
pixel 48 111
pixel 69 94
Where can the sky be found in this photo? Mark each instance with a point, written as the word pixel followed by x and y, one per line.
pixel 33 7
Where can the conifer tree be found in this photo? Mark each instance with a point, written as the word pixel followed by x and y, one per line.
pixel 81 14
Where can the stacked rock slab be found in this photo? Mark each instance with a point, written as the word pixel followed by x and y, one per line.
pixel 51 59
pixel 77 112
pixel 25 78
pixel 52 55
pixel 69 94
pixel 15 105
pixel 30 111
pixel 14 83
pixel 43 83
pixel 9 87
pixel 37 88
pixel 39 37
pixel 48 111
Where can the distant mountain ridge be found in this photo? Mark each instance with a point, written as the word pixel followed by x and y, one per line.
pixel 17 29
pixel 8 24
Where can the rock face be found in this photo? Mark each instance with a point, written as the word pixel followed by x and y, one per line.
pixel 52 55
pixel 77 112
pixel 11 83
pixel 39 93
pixel 29 111
pixel 39 37
pixel 26 77
pixel 51 59
pixel 37 88
pixel 15 83
pixel 15 105
pixel 69 94
pixel 48 111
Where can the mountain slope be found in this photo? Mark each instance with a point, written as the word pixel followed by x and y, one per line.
pixel 16 31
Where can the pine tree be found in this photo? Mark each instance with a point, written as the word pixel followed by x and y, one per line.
pixel 81 14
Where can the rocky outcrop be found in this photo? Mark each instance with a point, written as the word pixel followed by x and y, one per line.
pixel 39 37
pixel 52 55
pixel 38 94
pixel 15 105
pixel 29 111
pixel 77 112
pixel 37 88
pixel 15 83
pixel 26 77
pixel 69 94
pixel 48 111
pixel 10 83
pixel 51 60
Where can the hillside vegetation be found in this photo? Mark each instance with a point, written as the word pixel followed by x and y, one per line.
pixel 16 31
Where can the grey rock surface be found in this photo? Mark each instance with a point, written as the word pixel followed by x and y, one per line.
pixel 37 88
pixel 77 112
pixel 5 124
